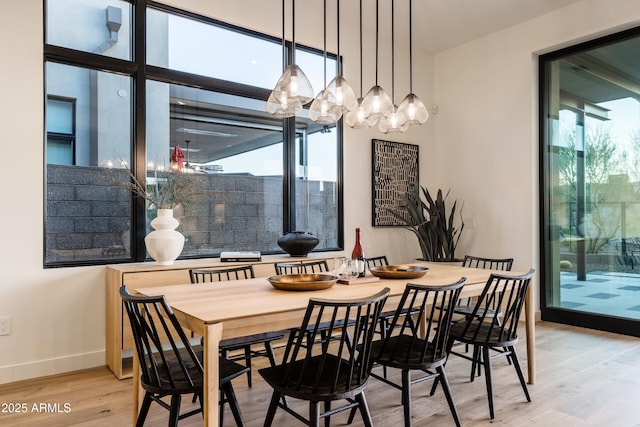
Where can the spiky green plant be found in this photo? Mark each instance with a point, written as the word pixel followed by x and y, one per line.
pixel 433 224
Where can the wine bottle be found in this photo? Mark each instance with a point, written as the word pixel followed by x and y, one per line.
pixel 357 255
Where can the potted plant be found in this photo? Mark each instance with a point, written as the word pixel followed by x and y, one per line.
pixel 433 224
pixel 164 191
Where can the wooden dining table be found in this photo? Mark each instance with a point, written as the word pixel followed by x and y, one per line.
pixel 240 307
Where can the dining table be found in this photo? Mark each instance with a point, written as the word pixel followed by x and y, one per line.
pixel 241 307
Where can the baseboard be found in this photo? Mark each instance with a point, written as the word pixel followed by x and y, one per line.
pixel 43 368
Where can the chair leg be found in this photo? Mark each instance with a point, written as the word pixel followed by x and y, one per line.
pixel 144 409
pixel 352 415
pixel 486 359
pixel 271 412
pixel 406 397
pixel 450 344
pixel 516 363
pixel 384 326
pixel 508 358
pixel 174 411
pixel 268 348
pixel 475 363
pixel 314 414
pixel 223 399
pixel 327 408
pixel 364 410
pixel 247 360
pixel 447 393
pixel 230 395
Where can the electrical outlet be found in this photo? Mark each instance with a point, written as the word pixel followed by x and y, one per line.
pixel 5 325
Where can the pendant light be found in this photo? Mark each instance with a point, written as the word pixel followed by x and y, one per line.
pixel 344 96
pixel 323 109
pixel 279 106
pixel 293 89
pixel 357 117
pixel 394 120
pixel 411 105
pixel 376 102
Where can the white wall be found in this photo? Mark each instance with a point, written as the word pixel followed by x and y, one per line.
pixel 486 96
pixel 486 134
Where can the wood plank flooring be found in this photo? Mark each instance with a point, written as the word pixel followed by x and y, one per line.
pixel 585 378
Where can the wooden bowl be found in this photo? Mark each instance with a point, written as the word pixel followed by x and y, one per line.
pixel 399 271
pixel 302 282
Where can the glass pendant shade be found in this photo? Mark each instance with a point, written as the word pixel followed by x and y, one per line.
pixel 345 98
pixel 394 122
pixel 281 109
pixel 376 103
pixel 293 87
pixel 323 109
pixel 414 110
pixel 357 117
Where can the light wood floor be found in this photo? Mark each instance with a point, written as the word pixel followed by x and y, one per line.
pixel 585 378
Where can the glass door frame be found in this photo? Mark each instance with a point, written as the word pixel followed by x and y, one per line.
pixel 548 233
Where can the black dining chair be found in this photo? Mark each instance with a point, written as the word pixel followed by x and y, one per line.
pixel 423 348
pixel 302 267
pixel 306 267
pixel 466 306
pixel 245 343
pixel 377 261
pixel 489 337
pixel 333 371
pixel 385 316
pixel 169 365
pixel 504 264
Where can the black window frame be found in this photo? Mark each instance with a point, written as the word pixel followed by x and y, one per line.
pixel 141 72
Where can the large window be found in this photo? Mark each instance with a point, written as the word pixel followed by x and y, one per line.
pixel 106 111
pixel 591 184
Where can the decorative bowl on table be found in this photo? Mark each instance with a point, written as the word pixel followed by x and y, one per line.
pixel 399 271
pixel 303 282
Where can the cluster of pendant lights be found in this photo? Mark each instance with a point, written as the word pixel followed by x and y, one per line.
pixel 293 90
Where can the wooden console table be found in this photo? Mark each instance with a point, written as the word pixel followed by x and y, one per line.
pixel 119 343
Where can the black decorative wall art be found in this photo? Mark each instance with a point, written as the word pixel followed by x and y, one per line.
pixel 395 173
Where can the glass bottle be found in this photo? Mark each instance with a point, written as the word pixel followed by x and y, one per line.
pixel 357 255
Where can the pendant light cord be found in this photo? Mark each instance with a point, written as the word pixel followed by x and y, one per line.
pixel 360 48
pixel 338 38
pixel 293 29
pixel 284 45
pixel 324 50
pixel 410 48
pixel 393 78
pixel 377 19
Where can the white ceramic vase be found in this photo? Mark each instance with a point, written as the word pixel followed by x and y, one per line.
pixel 164 244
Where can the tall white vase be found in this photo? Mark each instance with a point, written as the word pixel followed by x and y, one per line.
pixel 164 244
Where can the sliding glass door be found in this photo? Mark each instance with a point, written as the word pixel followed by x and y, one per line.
pixel 590 184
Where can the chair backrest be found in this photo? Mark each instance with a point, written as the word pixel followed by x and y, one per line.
pixel 503 264
pixel 217 275
pixel 167 360
pixel 302 267
pixel 377 261
pixel 501 290
pixel 433 306
pixel 338 364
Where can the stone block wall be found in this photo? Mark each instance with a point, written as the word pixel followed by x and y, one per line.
pixel 88 217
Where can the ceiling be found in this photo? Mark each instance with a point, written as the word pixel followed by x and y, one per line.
pixel 442 24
